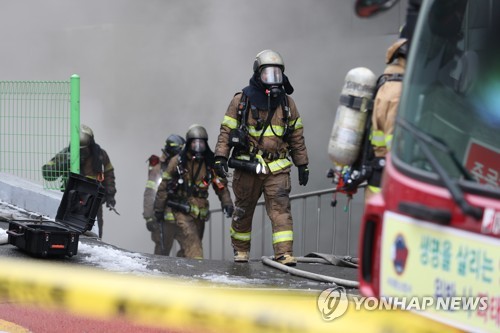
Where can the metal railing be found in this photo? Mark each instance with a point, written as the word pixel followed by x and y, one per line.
pixel 318 227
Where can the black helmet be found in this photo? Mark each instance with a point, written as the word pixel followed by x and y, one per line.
pixel 196 131
pixel 197 138
pixel 174 144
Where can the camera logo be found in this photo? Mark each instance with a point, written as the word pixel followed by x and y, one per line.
pixel 332 303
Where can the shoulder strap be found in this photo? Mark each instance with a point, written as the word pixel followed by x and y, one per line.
pixel 388 77
pixel 243 111
pixel 266 124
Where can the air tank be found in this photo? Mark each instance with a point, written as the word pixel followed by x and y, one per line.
pixel 351 116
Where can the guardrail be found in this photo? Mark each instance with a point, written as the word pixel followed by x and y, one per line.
pixel 318 227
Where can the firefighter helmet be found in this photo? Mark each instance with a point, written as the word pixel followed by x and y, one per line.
pixel 197 138
pixel 196 131
pixel 174 144
pixel 268 58
pixel 86 136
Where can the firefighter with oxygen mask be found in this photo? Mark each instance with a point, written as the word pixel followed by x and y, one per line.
pixel 94 163
pixel 162 232
pixel 184 188
pixel 364 122
pixel 260 131
pixel 389 87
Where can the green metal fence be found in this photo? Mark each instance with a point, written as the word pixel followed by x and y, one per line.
pixel 38 119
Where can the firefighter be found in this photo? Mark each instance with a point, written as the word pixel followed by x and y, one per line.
pixel 162 234
pixel 385 108
pixel 184 188
pixel 260 130
pixel 94 164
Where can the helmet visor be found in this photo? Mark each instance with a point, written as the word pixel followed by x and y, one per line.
pixel 271 75
pixel 198 146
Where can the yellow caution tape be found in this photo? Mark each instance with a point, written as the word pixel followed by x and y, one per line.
pixel 7 326
pixel 189 306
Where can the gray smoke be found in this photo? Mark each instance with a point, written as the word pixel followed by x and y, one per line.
pixel 152 68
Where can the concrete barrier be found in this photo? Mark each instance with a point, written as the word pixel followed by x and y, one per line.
pixel 29 196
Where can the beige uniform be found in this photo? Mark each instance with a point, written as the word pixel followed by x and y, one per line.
pixel 386 106
pixel 166 231
pixel 192 191
pixel 59 166
pixel 248 187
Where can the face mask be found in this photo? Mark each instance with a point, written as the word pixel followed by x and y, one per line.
pixel 198 147
pixel 274 91
pixel 271 76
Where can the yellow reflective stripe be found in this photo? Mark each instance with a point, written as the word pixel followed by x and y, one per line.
pixel 197 211
pixel 242 236
pixel 170 216
pixel 298 123
pixel 374 189
pixel 378 139
pixel 166 175
pixel 280 164
pixel 151 184
pixel 270 131
pixel 388 141
pixel 260 159
pixel 50 163
pixel 108 167
pixel 282 236
pixel 243 157
pixel 91 177
pixel 203 212
pixel 149 219
pixel 230 122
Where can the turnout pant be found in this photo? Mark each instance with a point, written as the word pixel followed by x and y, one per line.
pixel 190 234
pixel 248 188
pixel 100 221
pixel 169 232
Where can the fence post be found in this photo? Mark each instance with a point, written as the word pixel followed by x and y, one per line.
pixel 75 124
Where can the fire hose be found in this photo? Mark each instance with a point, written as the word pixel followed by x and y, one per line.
pixel 344 261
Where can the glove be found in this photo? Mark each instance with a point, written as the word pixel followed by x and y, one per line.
pixel 228 210
pixel 220 166
pixel 160 216
pixel 110 202
pixel 152 226
pixel 153 160
pixel 303 175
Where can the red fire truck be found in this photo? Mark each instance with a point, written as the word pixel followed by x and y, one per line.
pixel 434 230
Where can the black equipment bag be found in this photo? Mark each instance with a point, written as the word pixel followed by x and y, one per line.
pixel 76 214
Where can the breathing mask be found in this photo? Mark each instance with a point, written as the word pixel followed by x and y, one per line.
pixel 198 147
pixel 272 78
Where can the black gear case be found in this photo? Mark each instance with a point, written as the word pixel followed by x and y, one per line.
pixel 76 214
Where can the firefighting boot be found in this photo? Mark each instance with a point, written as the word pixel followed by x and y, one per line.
pixel 241 256
pixel 287 259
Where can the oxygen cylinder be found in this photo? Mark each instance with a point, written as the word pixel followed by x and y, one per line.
pixel 348 129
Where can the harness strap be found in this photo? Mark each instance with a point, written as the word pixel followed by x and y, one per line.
pixel 362 104
pixel 268 155
pixel 389 77
pixel 243 114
